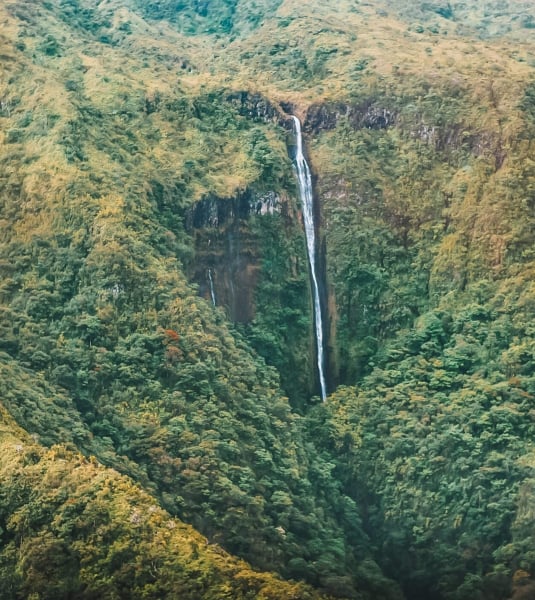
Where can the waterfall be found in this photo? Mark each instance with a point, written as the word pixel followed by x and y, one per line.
pixel 211 284
pixel 305 192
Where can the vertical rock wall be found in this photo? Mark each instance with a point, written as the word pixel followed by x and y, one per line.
pixel 226 246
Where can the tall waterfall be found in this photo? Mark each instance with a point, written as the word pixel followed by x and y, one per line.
pixel 211 285
pixel 307 200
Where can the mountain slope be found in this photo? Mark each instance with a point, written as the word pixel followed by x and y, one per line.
pixel 145 143
pixel 72 528
pixel 120 358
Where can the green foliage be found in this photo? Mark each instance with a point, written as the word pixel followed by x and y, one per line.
pixel 272 163
pixel 527 104
pixel 200 16
pixel 473 18
pixel 50 46
pixel 138 371
pixel 219 16
pixel 439 458
pixel 281 331
pixel 73 528
pixel 435 442
pixel 426 188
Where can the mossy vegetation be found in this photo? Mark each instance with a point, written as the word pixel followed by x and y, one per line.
pixel 73 528
pixel 131 405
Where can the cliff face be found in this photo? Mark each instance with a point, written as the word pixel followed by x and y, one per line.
pixel 249 256
pixel 392 174
pixel 145 146
pixel 227 259
pixel 259 108
pixel 367 114
pixel 229 263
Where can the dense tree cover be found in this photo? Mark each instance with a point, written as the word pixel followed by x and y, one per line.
pixel 435 444
pixel 72 528
pixel 512 18
pixel 419 208
pixel 219 16
pixel 111 128
pixel 154 384
pixel 114 354
pixel 282 328
pixel 430 254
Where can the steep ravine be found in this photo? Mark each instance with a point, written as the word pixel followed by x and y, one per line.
pixel 362 299
pixel 250 261
pixel 419 467
pixel 231 235
pixel 252 247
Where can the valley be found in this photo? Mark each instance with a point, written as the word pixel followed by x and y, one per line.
pixel 169 425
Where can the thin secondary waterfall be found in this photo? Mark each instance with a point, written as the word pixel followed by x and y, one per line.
pixel 307 199
pixel 211 284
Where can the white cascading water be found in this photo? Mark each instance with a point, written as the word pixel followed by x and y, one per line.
pixel 307 199
pixel 211 282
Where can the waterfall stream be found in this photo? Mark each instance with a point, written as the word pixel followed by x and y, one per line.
pixel 307 199
pixel 211 284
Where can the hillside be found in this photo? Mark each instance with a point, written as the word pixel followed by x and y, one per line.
pixel 146 177
pixel 77 529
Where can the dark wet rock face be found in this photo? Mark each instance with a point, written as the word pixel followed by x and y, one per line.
pixel 213 211
pixel 443 138
pixel 323 117
pixel 226 249
pixel 259 108
pixel 319 117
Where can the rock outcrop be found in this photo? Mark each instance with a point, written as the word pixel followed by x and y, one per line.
pixel 365 115
pixel 257 107
pixel 226 248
